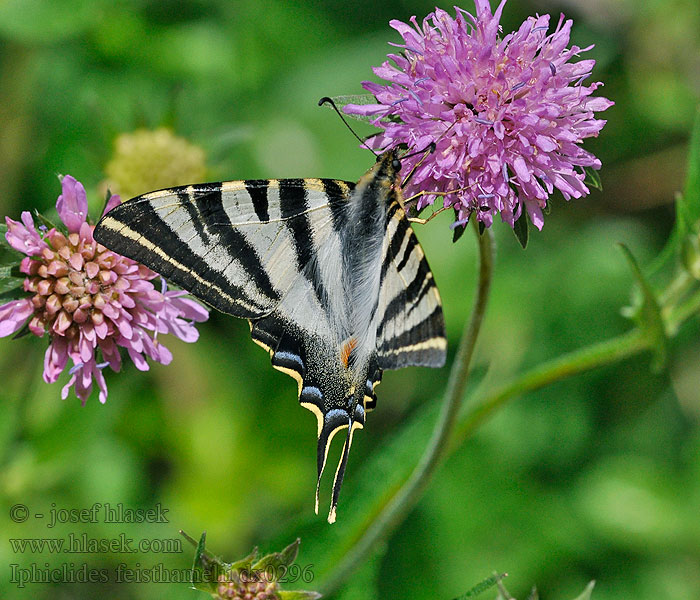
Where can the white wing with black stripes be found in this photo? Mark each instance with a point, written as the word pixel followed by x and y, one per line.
pixel 329 274
pixel 237 245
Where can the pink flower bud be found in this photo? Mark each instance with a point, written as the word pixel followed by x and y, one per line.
pixel 45 287
pixel 61 286
pixel 53 304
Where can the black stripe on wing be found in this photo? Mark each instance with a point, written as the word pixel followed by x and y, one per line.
pixel 183 195
pixel 374 377
pixel 338 192
pixel 411 330
pixel 293 203
pixel 216 221
pixel 402 226
pixel 417 346
pixel 411 295
pixel 136 230
pixel 257 188
pixel 408 250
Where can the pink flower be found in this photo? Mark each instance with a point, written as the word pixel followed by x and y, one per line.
pixel 91 301
pixel 72 204
pixel 507 114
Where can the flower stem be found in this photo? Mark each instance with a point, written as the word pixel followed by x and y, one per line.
pixel 585 359
pixel 676 289
pixel 683 312
pixel 410 492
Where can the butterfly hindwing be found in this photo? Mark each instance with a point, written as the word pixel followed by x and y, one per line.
pixel 324 385
pixel 411 329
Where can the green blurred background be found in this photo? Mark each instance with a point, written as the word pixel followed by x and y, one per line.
pixel 597 477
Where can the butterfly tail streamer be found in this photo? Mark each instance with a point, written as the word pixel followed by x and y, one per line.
pixel 340 473
pixel 333 422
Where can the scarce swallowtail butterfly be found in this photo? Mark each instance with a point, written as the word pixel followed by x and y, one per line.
pixel 328 273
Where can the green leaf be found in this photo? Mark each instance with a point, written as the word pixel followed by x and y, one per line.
pixel 687 204
pixel 11 279
pixel 245 564
pixel 44 221
pixel 205 568
pixel 199 567
pixel 289 554
pixel 482 586
pixel 8 283
pixel 12 270
pixel 592 179
pixel 648 314
pixel 298 595
pixel 690 202
pixel 520 229
pixel 201 549
pixel 278 561
pixel 16 293
pixel 586 594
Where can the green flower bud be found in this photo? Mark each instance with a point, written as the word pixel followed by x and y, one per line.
pixel 250 578
pixel 147 160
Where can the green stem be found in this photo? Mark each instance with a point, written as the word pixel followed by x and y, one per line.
pixel 410 492
pixel 676 289
pixel 585 359
pixel 683 312
pixel 454 426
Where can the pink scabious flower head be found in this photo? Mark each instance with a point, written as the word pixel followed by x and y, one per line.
pixel 89 300
pixel 507 114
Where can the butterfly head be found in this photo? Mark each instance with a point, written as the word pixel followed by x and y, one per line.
pixel 391 157
pixel 387 167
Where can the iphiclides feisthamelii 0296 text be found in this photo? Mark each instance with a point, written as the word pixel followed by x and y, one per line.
pixel 328 273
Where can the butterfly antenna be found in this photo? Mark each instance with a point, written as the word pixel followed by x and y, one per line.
pixel 429 149
pixel 327 100
pixel 426 151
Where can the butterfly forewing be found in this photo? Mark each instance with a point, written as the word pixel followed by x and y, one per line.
pixel 237 245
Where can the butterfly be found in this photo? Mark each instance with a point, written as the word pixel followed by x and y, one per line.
pixel 329 274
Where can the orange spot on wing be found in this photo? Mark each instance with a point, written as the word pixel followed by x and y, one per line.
pixel 346 351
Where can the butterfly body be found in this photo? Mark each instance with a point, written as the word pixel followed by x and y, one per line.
pixel 329 274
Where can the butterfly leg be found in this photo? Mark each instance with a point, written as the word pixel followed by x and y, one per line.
pixel 420 221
